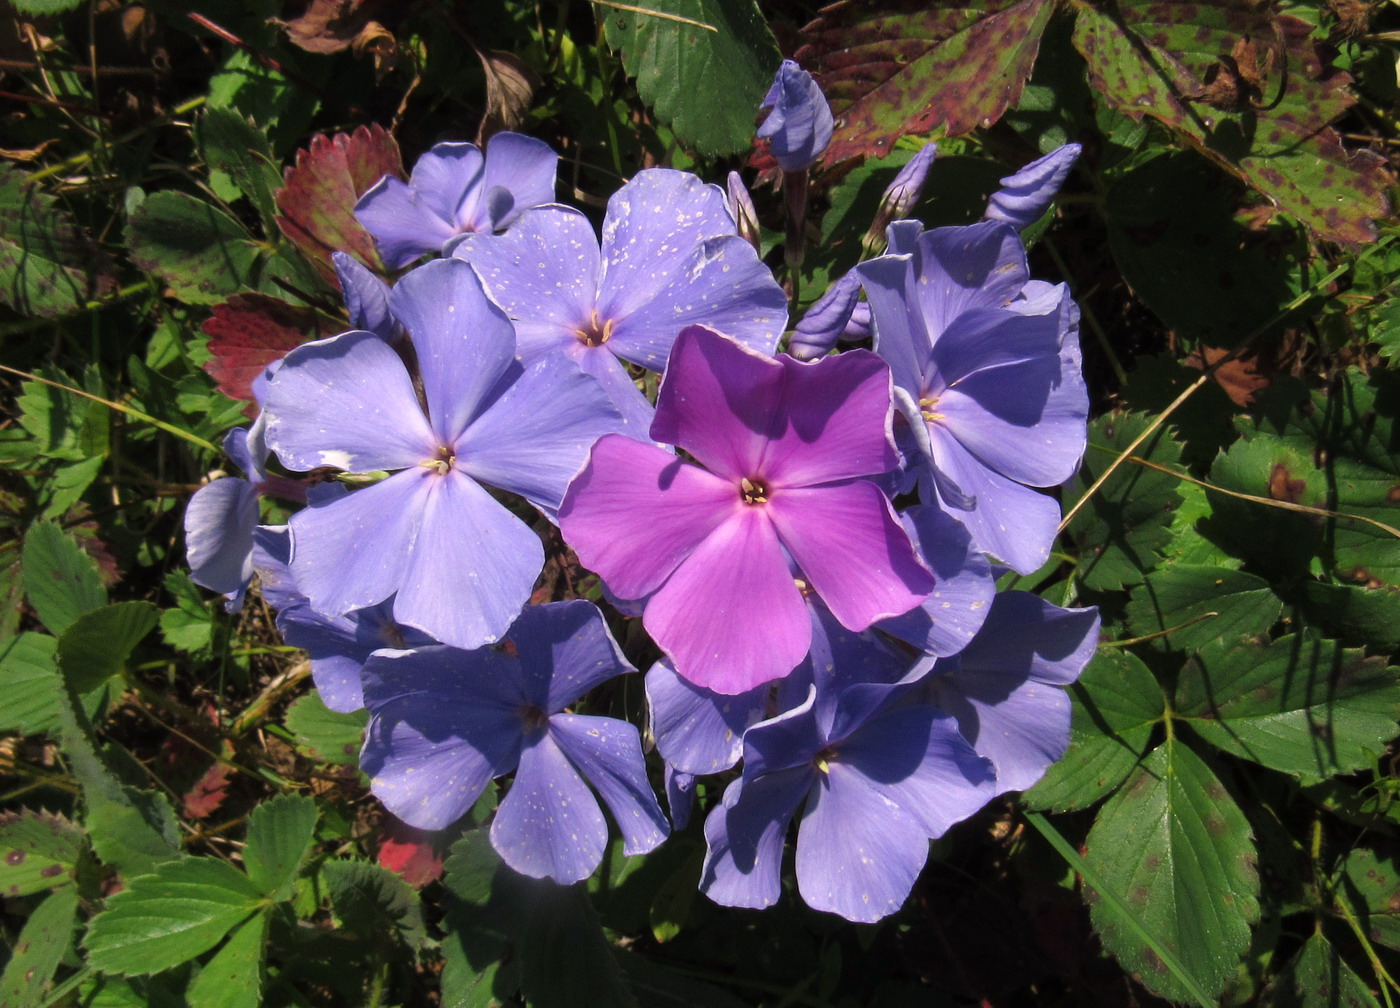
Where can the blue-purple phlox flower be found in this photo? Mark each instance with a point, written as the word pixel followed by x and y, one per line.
pixel 799 124
pixel 993 396
pixel 784 447
pixel 669 257
pixel 1025 195
pixel 461 564
pixel 455 189
pixel 445 722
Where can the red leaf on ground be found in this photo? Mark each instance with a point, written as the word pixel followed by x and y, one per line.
pixel 412 853
pixel 910 66
pixel 250 331
pixel 208 793
pixel 318 194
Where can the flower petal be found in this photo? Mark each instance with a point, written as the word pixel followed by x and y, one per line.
pixel 219 523
pixel 744 838
pixel 565 650
pixel 697 730
pixel 366 296
pixel 523 167
pixel 611 373
pixel 901 337
pixel 1025 194
pixel 959 269
pixel 404 221
pixel 849 545
pixel 549 823
pixel 608 753
pixel 730 617
pixel 346 402
pixel 963 585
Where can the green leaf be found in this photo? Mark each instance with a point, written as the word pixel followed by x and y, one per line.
pixel 95 648
pixel 234 977
pixel 45 940
pixel 675 62
pixel 480 913
pixel 48 265
pixel 374 903
pixel 38 851
pixel 1125 526
pixel 1278 542
pixel 1362 615
pixel 910 67
pixel 239 159
pixel 323 733
pixel 1116 704
pixel 566 961
pixel 1298 705
pixel 1174 846
pixel 1318 978
pixel 44 7
pixel 167 918
pixel 1371 884
pixel 198 250
pixel 189 627
pixel 280 832
pixel 30 686
pixel 1226 604
pixel 60 579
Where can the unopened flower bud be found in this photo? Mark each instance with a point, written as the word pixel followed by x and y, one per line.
pixel 901 196
pixel 799 126
pixel 1025 195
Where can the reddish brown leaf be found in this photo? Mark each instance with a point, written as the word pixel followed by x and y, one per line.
pixel 412 853
pixel 318 194
pixel 250 331
pixel 911 67
pixel 208 793
pixel 510 86
pixel 327 26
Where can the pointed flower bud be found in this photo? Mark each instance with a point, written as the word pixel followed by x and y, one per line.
pixel 1024 195
pixel 826 320
pixel 900 197
pixel 799 126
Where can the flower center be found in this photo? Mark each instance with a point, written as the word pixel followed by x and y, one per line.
pixel 533 718
pixel 597 332
pixel 754 491
pixel 442 462
pixel 823 759
pixel 926 405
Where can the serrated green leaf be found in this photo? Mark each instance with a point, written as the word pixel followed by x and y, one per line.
pixel 560 932
pixel 675 62
pixel 1116 703
pixel 1372 885
pixel 1223 603
pixel 1174 846
pixel 1278 542
pixel 198 250
pixel 1298 705
pixel 234 977
pixel 29 684
pixel 45 940
pixel 48 266
pixel 136 992
pixel 95 648
pixel 239 158
pixel 1362 615
pixel 161 920
pixel 1318 978
pixel 38 851
pixel 44 7
pixel 60 580
pixel 479 913
pixel 1125 526
pixel 325 734
pixel 280 832
pixel 374 903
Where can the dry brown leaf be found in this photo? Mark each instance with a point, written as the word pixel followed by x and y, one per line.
pixel 510 87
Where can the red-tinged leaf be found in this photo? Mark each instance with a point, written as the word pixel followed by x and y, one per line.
pixel 912 67
pixel 250 331
pixel 318 194
pixel 414 854
pixel 1246 87
pixel 208 793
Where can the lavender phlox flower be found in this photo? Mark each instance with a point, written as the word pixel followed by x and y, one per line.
pixel 1005 689
pixel 784 446
pixel 1025 195
pixel 445 722
pixel 366 298
pixel 461 564
pixel 219 522
pixel 741 208
pixel 993 398
pixel 455 189
pixel 799 125
pixel 875 776
pixel 669 257
pixel 337 646
pixel 817 331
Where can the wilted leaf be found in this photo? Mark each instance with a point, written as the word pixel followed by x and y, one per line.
pixel 331 26
pixel 48 265
pixel 250 331
pixel 1245 85
pixel 510 85
pixel 911 67
pixel 206 794
pixel 319 192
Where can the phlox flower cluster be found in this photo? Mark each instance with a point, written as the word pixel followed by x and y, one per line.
pixel 809 540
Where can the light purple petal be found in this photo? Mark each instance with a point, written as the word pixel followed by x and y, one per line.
pixel 800 125
pixel 901 336
pixel 902 237
pixel 366 296
pixel 536 435
pixel 543 272
pixel 722 285
pixel 1021 725
pixel 352 552
pixel 790 740
pixel 1024 631
pixel 988 340
pixel 519 174
pixel 565 650
pixel 549 823
pixel 1025 195
pixel 445 174
pixel 817 331
pixel 472 567
pixel 963 268
pixel 901 195
pixel 858 852
pixel 680 796
pixel 635 512
pixel 404 221
pixel 850 547
pixel 463 342
pixel 608 753
pixel 963 585
pixel 730 617
pixel 650 232
pixel 346 402
pixel 604 366
pixel 697 730
pixel 219 523
pixel 744 836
